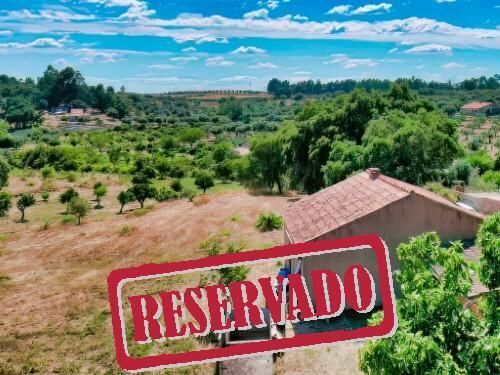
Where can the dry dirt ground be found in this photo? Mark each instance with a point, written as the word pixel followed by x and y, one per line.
pixel 488 125
pixel 54 316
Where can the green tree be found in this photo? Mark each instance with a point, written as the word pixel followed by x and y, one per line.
pixel 142 189
pixel 436 333
pixel 125 197
pixel 100 191
pixel 191 135
pixel 25 200
pixel 488 239
pixel 67 196
pixel 204 180
pixel 4 172
pixel 267 161
pixel 79 207
pixel 5 203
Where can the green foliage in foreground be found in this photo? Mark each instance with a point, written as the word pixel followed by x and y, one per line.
pixel 436 334
pixel 269 222
pixel 488 240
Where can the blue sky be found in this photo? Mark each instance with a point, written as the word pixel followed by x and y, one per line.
pixel 159 46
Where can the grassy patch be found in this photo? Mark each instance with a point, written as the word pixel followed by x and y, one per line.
pixel 126 231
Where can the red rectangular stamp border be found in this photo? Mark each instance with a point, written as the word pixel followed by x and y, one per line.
pixel 118 278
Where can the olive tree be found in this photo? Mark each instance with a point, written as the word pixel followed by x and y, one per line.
pixel 204 180
pixel 67 196
pixel 79 207
pixel 25 200
pixel 125 197
pixel 100 191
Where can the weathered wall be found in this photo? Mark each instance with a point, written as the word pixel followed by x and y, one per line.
pixel 395 224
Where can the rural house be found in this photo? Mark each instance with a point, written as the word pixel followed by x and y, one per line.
pixel 480 108
pixel 371 202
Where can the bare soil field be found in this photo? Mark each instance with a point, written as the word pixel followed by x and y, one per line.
pixel 53 291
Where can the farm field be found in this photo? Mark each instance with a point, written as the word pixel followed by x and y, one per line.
pixel 56 290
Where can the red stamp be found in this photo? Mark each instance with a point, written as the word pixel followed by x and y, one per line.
pixel 305 293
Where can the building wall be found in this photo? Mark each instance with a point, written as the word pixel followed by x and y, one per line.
pixel 395 224
pixel 479 111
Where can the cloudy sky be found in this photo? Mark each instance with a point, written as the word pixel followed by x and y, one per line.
pixel 158 46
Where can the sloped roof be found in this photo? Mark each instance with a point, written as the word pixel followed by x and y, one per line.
pixel 349 200
pixel 477 105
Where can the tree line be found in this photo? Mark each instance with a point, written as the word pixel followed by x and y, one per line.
pixel 287 89
pixel 21 100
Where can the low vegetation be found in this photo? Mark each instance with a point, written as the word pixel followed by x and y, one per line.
pixel 268 222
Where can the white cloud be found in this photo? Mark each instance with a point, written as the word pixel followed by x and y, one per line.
pixel 430 49
pixel 393 50
pixel 218 61
pixel 453 65
pixel 162 66
pixel 137 9
pixel 90 56
pixel 183 60
pixel 445 1
pixel 370 8
pixel 237 79
pixel 301 73
pixel 248 50
pixel 299 17
pixel 256 14
pixel 340 9
pixel 61 14
pixel 263 65
pixel 189 49
pixel 60 62
pixel 6 33
pixel 349 63
pixel 198 38
pixel 38 43
pixel 271 4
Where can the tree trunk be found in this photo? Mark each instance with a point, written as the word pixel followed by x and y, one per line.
pixel 121 209
pixel 79 219
pixel 22 216
pixel 142 204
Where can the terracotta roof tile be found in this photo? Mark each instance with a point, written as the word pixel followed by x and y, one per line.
pixel 347 201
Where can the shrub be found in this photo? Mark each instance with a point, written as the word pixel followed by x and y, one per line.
pixel 492 177
pixel 269 222
pixel 68 219
pixel 5 203
pixel 164 194
pixel 189 194
pixel 481 160
pixel 45 196
pixel 439 189
pixel 126 231
pixel 176 185
pixel 47 172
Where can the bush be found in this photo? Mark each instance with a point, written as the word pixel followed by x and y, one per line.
pixel 481 160
pixel 492 177
pixel 164 194
pixel 5 203
pixel 176 185
pixel 439 189
pixel 269 222
pixel 45 196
